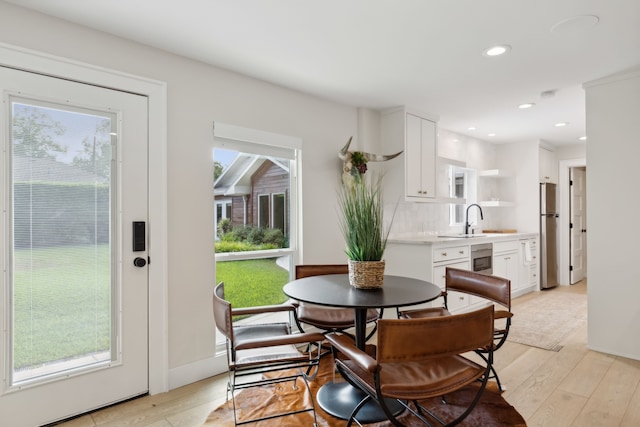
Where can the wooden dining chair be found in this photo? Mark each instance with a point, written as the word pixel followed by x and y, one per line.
pixel 418 359
pixel 329 319
pixel 257 349
pixel 494 289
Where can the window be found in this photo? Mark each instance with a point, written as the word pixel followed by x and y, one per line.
pixel 462 185
pixel 256 188
pixel 223 211
pixel 263 211
pixel 279 214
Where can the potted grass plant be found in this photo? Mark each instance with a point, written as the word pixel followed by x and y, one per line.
pixel 362 224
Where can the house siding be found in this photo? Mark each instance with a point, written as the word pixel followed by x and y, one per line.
pixel 269 179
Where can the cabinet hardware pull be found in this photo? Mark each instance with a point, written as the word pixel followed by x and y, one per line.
pixel 461 252
pixel 444 254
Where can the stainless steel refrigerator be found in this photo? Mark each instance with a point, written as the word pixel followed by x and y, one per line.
pixel 548 236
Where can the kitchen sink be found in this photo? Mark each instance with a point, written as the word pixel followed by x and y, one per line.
pixel 462 235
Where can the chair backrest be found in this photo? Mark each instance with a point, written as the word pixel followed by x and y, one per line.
pixel 403 340
pixel 494 288
pixel 222 312
pixel 307 270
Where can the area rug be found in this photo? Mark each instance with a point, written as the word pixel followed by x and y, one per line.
pixel 492 410
pixel 544 321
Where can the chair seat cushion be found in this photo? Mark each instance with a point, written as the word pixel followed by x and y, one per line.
pixel 328 318
pixel 259 356
pixel 425 312
pixel 244 333
pixel 420 380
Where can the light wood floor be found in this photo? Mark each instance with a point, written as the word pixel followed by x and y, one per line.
pixel 572 387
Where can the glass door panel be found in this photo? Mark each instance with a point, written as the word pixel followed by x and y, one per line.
pixel 62 235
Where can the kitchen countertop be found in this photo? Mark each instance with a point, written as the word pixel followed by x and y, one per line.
pixel 419 238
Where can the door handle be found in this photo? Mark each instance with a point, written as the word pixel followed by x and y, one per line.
pixel 139 262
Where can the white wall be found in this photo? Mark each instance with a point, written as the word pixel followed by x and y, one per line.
pixel 613 150
pixel 197 95
pixel 569 152
pixel 520 160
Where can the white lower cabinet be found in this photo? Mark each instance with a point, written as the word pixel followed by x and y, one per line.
pixel 425 262
pixel 506 261
pixel 529 265
pixel 455 300
pixel 429 262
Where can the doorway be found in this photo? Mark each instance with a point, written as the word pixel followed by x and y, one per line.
pixel 571 251
pixel 578 224
pixel 77 308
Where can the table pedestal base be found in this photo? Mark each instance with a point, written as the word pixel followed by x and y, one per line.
pixel 340 399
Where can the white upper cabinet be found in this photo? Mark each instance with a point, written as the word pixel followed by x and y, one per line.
pixel 420 159
pixel 416 135
pixel 548 166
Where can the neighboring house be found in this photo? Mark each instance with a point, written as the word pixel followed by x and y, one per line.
pixel 254 190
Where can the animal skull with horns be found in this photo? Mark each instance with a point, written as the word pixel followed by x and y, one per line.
pixel 349 169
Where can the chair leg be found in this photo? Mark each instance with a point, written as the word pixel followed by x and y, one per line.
pixel 494 374
pixel 355 411
pixel 477 397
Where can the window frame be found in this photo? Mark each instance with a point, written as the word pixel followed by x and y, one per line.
pixel 236 138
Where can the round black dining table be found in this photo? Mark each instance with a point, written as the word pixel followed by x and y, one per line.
pixel 334 290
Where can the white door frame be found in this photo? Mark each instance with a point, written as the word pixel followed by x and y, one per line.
pixel 564 235
pixel 156 92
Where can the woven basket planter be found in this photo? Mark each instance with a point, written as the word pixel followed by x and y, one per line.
pixel 366 274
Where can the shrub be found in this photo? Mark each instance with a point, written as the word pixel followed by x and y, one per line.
pixel 256 235
pixel 228 246
pixel 224 226
pixel 250 238
pixel 274 236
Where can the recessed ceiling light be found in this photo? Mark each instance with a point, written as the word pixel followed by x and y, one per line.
pixel 471 128
pixel 497 50
pixel 526 105
pixel 561 124
pixel 491 134
pixel 583 138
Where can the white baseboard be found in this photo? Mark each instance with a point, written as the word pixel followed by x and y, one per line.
pixel 196 371
pixel 524 291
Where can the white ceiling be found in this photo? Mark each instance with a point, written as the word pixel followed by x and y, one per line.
pixel 425 54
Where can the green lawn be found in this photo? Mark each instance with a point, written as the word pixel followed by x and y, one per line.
pixel 61 303
pixel 62 299
pixel 252 282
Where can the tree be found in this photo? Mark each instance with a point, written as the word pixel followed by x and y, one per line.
pixel 95 156
pixel 35 133
pixel 217 169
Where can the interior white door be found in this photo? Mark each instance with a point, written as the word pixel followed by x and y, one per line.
pixel 74 307
pixel 578 221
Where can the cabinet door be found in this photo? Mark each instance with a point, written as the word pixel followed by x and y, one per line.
pixel 420 155
pixel 413 153
pixel 506 265
pixel 528 264
pixel 548 166
pixel 456 301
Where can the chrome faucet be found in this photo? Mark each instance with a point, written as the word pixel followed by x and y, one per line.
pixel 466 217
